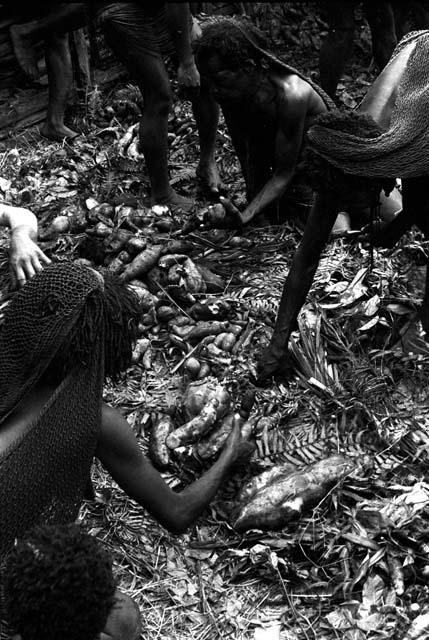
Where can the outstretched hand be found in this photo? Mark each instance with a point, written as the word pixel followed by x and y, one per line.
pixel 240 447
pixel 26 258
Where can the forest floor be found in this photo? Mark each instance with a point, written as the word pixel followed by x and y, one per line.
pixel 355 566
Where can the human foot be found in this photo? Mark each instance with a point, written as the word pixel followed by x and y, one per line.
pixel 24 51
pixel 209 178
pixel 175 201
pixel 58 132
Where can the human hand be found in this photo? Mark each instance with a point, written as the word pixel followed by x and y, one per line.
pixel 188 79
pixel 26 258
pixel 240 442
pixel 224 215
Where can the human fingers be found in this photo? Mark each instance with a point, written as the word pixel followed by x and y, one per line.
pixel 43 258
pixel 29 269
pixel 18 276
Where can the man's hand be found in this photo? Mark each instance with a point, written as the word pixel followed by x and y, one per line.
pixel 188 79
pixel 26 258
pixel 237 445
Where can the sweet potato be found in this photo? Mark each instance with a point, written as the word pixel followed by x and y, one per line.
pixel 203 329
pixel 171 259
pixel 209 446
pixel 158 450
pixel 228 342
pixel 141 347
pixel 204 371
pixel 211 309
pixel 117 240
pixel 143 262
pixel 195 428
pixel 192 367
pixel 136 245
pixel 285 498
pixel 194 281
pixel 197 394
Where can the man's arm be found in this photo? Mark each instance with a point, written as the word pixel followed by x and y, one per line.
pixel 26 259
pixel 179 20
pixel 298 283
pixel 119 453
pixel 289 140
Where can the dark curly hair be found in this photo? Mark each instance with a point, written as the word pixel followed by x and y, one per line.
pixel 58 585
pixel 227 38
pixel 115 311
pixel 323 175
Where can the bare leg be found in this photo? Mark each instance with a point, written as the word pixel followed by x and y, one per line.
pixel 297 285
pixel 338 45
pixel 59 67
pixel 66 18
pixel 149 72
pixel 206 114
pixel 381 22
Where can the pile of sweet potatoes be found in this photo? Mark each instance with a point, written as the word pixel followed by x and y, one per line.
pixel 209 419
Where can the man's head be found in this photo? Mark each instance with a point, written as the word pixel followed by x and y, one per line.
pixel 324 170
pixel 226 57
pixel 59 585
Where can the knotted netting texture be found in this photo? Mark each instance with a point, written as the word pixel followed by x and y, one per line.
pixel 44 473
pixel 402 151
pixel 37 321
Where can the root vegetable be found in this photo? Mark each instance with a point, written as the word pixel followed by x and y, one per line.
pixel 182 321
pixel 117 240
pixel 101 230
pixel 164 313
pixel 143 262
pixel 210 310
pixel 158 450
pixel 203 329
pixel 177 246
pixel 175 274
pixel 235 329
pixel 195 428
pixel 219 339
pixel 164 224
pixel 228 342
pixel 204 371
pixel 211 350
pixel 124 256
pixel 287 497
pixel 136 245
pixel 116 266
pixel 194 280
pixel 146 299
pixel 264 479
pixel 197 395
pixel 213 443
pixel 171 259
pixel 141 347
pixel 192 367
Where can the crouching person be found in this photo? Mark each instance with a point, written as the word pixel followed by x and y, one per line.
pixel 64 332
pixel 58 583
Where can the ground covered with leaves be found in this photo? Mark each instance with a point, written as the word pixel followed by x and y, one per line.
pixel 356 565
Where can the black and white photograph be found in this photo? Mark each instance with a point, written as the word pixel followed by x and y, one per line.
pixel 214 320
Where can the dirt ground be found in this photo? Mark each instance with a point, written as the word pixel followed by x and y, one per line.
pixel 356 565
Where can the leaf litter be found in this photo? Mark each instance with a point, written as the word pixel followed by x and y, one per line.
pixel 354 565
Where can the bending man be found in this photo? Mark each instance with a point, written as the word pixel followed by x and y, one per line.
pixel 352 157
